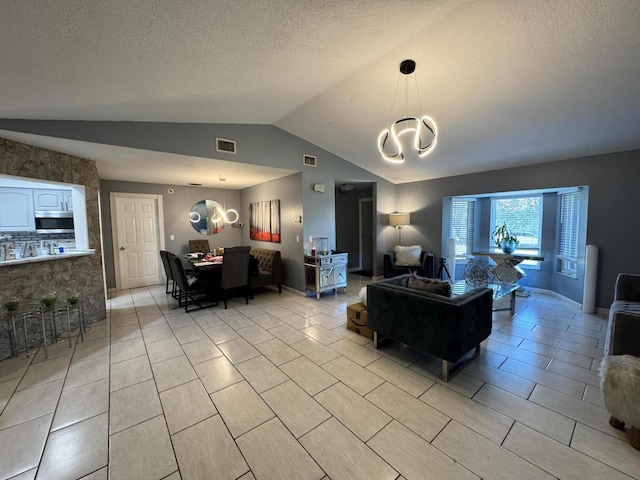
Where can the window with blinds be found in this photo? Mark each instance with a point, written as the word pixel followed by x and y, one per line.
pixel 568 219
pixel 462 221
pixel 523 216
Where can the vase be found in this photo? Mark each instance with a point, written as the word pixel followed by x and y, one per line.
pixel 508 247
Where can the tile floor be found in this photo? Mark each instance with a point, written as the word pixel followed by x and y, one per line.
pixel 280 389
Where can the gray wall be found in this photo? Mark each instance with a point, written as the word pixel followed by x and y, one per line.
pixel 257 144
pixel 289 191
pixel 612 216
pixel 176 209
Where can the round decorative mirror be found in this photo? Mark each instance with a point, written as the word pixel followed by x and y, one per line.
pixel 209 217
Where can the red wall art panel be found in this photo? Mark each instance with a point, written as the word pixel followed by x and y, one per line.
pixel 264 221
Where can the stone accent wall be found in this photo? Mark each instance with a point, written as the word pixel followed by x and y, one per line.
pixel 30 281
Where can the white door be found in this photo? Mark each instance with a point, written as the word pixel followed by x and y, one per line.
pixel 137 234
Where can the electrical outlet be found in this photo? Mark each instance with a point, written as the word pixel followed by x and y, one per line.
pixel 172 237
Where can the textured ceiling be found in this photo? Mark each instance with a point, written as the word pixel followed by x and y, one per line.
pixel 508 82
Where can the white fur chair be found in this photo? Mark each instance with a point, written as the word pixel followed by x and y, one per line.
pixel 620 385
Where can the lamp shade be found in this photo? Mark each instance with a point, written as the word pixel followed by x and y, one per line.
pixel 398 219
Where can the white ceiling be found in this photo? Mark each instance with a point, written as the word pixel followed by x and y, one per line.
pixel 508 82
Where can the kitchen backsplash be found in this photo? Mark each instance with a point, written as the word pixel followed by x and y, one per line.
pixel 20 237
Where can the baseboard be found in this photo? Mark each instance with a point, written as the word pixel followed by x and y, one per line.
pixel 293 290
pixel 599 310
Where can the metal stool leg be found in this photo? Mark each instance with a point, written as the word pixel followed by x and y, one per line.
pixel 68 325
pixel 81 325
pixel 44 335
pixel 24 326
pixel 14 346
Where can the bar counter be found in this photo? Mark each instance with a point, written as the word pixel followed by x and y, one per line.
pixel 46 258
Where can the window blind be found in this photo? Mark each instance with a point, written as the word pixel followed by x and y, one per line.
pixel 568 226
pixel 462 222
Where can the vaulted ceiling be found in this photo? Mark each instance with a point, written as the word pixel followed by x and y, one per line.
pixel 508 82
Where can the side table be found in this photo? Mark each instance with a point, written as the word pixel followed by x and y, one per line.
pixel 325 272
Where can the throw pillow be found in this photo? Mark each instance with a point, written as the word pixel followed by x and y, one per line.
pixel 407 256
pixel 437 287
pixel 363 296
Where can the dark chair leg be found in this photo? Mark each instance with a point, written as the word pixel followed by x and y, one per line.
pixel 279 288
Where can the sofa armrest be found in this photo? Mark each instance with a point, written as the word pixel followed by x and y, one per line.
pixel 388 264
pixel 276 267
pixel 427 260
pixel 627 287
pixel 624 334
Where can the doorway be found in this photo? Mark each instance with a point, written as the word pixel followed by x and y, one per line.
pixel 355 220
pixel 138 237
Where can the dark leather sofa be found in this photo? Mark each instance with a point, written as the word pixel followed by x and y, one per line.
pixel 446 327
pixel 623 330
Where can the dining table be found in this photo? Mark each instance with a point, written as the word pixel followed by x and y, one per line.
pixel 206 263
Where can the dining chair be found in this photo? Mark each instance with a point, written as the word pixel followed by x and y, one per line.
pixel 166 263
pixel 201 245
pixel 190 290
pixel 235 272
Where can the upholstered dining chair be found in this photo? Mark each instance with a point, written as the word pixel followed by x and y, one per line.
pixel 200 245
pixel 190 290
pixel 235 272
pixel 166 263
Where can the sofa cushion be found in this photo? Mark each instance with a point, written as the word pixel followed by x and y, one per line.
pixel 407 256
pixel 430 285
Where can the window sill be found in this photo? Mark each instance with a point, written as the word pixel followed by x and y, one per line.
pixel 572 276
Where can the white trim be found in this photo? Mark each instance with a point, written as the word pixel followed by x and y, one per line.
pixel 544 291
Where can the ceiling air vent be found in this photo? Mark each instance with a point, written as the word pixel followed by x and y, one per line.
pixel 309 160
pixel 226 146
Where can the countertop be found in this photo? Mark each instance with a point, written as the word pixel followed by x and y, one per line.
pixel 45 258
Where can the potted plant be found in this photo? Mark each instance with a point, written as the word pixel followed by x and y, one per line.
pixel 504 239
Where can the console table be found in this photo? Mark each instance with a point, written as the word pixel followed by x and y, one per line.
pixel 507 269
pixel 325 272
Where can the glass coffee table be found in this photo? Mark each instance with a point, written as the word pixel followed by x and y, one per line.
pixel 500 290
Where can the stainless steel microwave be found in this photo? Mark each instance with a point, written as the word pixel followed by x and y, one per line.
pixel 54 222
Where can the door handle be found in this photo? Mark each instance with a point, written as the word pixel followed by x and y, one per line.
pixel 121 248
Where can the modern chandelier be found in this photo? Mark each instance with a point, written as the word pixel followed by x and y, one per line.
pixel 424 130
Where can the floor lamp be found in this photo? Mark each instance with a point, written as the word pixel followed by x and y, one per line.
pixel 398 220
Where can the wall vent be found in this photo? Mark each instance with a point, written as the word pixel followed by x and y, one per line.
pixel 309 160
pixel 225 145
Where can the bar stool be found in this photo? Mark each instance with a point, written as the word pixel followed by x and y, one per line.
pixel 74 304
pixel 33 314
pixel 50 310
pixel 9 316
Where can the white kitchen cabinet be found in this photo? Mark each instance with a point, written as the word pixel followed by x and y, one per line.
pixel 16 210
pixel 67 197
pixel 51 200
